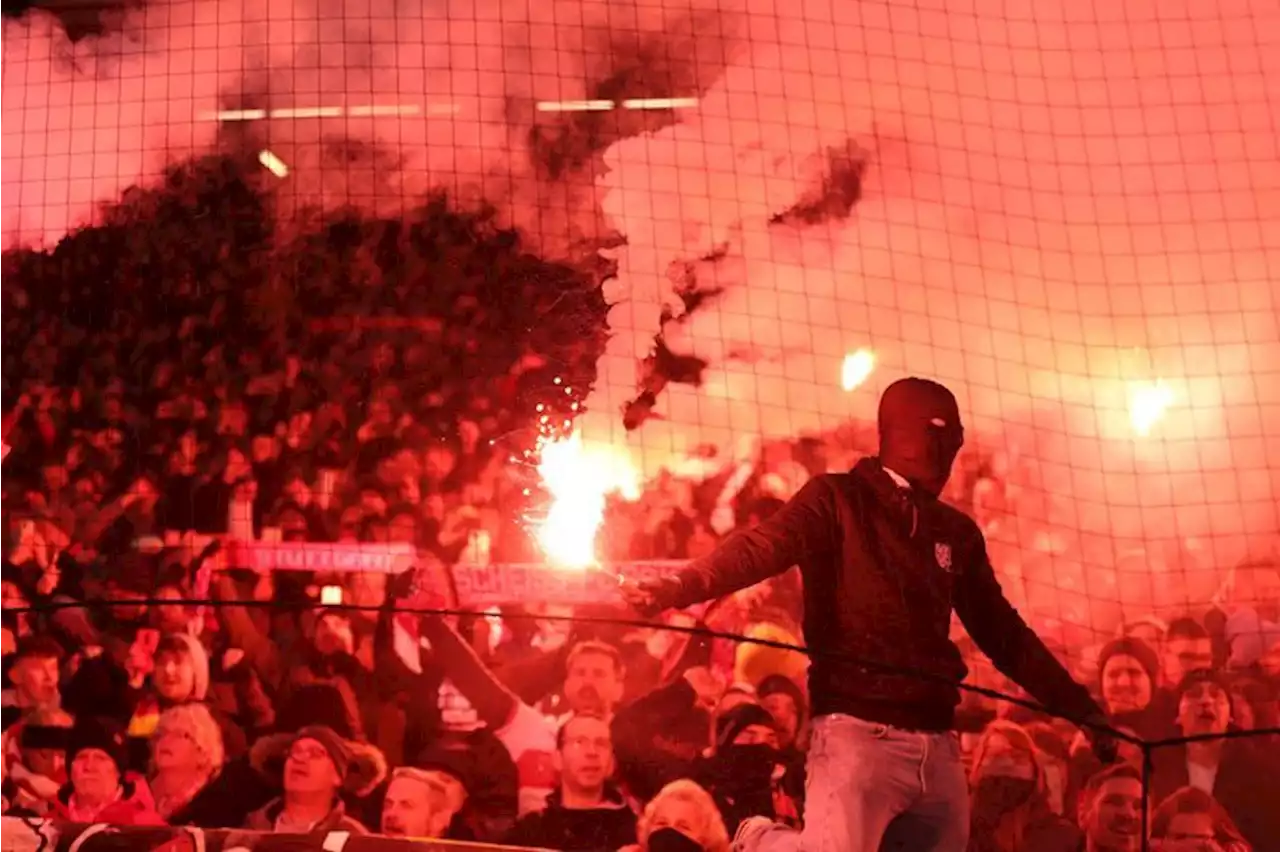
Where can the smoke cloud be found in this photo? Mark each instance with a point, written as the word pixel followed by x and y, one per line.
pixel 1055 211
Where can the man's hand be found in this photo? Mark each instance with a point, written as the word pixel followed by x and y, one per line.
pixel 1104 744
pixel 649 597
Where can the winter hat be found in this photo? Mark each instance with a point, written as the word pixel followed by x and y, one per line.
pixel 103 734
pixel 1131 647
pixel 190 646
pixel 1196 677
pixel 735 720
pixel 360 766
pixel 330 703
pixel 775 683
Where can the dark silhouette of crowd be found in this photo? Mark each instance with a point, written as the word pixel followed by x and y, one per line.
pixel 189 373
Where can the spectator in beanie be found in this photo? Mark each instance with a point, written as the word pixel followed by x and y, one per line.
pixel 419 803
pixel 586 812
pixel 34 675
pixel 318 768
pixel 1110 812
pixel 1010 806
pixel 40 770
pixel 681 818
pixel 744 771
pixel 1227 769
pixel 1192 819
pixel 100 790
pixel 1128 672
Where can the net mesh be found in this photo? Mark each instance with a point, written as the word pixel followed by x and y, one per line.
pixel 576 281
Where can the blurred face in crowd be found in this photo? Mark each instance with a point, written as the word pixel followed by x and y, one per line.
pixel 333 634
pixel 49 762
pixel 1149 634
pixel 1125 685
pixel 757 735
pixel 586 756
pixel 174 749
pixel 1002 758
pixel 170 618
pixel 297 490
pixel 174 676
pixel 36 681
pixel 680 814
pixel 592 683
pixel 94 775
pixel 783 709
pixel 1185 827
pixel 437 463
pixel 264 448
pixel 403 528
pixel 55 477
pixel 1183 654
pixel 1113 820
pixel 1204 708
pixel 415 807
pixel 310 769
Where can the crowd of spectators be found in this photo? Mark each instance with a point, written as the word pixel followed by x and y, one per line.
pixel 186 382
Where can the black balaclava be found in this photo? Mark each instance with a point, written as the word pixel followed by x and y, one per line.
pixel 920 432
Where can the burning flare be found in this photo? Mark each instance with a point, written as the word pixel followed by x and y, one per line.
pixel 579 478
pixel 857 368
pixel 1147 405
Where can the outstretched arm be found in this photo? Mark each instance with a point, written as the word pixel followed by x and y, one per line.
pixel 804 526
pixel 1017 652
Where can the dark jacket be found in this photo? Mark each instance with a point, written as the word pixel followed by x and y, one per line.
pixel 264 819
pixel 883 569
pixel 1239 785
pixel 608 827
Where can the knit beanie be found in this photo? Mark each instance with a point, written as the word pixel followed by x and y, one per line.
pixel 1131 647
pixel 737 719
pixel 102 734
pixel 334 745
pixel 776 683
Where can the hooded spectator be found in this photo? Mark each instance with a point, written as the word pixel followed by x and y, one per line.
pixel 744 771
pixel 317 768
pixel 100 789
pixel 1010 806
pixel 585 812
pixel 785 701
pixel 480 782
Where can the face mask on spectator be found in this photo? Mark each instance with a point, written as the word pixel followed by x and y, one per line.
pixel 672 840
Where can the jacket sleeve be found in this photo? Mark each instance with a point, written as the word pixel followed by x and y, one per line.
pixel 806 525
pixel 644 764
pixel 1001 634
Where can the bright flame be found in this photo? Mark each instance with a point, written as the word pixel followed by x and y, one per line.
pixel 579 478
pixel 1147 405
pixel 857 368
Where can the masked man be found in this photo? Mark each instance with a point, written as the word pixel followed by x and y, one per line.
pixel 885 563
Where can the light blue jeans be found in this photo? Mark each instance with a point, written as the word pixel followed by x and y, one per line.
pixel 875 788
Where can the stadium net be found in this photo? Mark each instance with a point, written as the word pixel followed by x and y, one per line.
pixel 555 291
